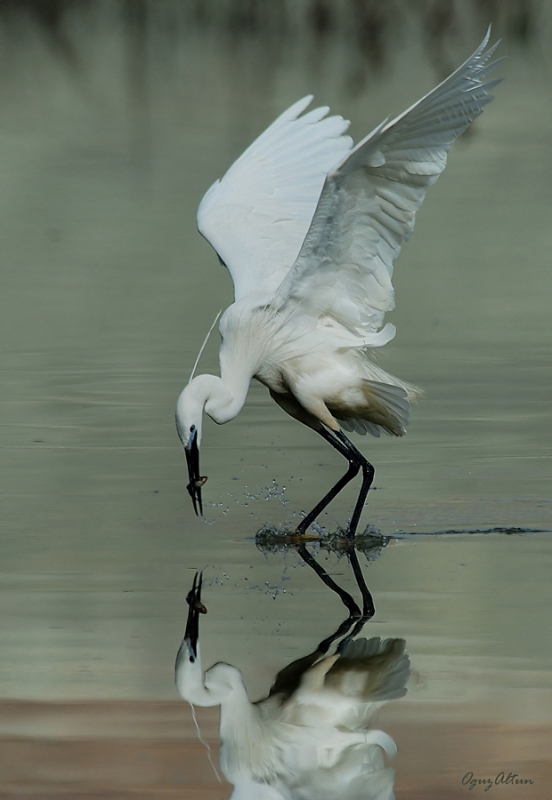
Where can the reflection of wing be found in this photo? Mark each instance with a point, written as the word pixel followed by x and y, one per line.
pixel 258 215
pixel 340 690
pixel 371 670
pixel 318 713
pixel 368 204
pixel 289 678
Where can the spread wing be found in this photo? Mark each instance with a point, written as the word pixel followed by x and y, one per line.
pixel 369 201
pixel 258 215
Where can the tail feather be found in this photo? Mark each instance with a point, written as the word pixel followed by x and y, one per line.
pixel 387 410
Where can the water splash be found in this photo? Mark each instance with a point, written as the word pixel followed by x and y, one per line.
pixel 284 538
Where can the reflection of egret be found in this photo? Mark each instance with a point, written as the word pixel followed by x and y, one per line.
pixel 310 738
pixel 309 226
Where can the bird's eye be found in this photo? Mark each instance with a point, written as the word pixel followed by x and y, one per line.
pixel 192 429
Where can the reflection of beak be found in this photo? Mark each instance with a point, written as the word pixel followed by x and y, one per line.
pixel 191 634
pixel 196 481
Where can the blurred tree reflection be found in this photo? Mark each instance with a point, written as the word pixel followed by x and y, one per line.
pixel 370 27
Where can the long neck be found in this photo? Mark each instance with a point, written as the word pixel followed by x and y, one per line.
pixel 221 399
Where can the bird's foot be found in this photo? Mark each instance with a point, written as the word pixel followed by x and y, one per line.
pixel 301 535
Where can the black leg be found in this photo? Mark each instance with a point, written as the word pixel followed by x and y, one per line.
pixel 356 460
pixel 368 472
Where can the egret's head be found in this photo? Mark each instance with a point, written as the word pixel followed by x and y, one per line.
pixel 189 415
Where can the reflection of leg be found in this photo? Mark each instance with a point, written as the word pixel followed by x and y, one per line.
pixel 368 608
pixel 289 678
pixel 343 629
pixel 353 625
pixel 345 597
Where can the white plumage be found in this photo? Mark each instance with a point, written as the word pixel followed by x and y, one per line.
pixel 309 226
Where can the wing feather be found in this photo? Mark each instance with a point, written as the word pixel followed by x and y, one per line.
pixel 369 201
pixel 258 215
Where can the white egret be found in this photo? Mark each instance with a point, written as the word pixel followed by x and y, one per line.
pixel 309 739
pixel 308 226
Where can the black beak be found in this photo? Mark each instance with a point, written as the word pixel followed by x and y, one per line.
pixel 196 481
pixel 191 634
